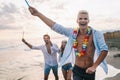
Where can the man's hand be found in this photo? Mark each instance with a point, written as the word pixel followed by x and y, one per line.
pixel 33 11
pixel 91 70
pixel 23 40
pixel 29 45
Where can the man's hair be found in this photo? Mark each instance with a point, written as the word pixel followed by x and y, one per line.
pixel 46 35
pixel 83 12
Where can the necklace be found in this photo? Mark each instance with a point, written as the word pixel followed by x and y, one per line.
pixel 85 42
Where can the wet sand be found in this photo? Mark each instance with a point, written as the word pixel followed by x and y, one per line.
pixel 22 65
pixel 114 61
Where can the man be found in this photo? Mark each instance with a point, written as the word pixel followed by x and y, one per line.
pixel 87 43
pixel 50 55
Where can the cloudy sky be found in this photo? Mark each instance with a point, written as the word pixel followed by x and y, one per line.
pixel 15 17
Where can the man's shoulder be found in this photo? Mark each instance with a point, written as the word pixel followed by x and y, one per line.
pixel 96 32
pixel 42 45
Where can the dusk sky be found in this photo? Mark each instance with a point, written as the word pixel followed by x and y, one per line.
pixel 15 17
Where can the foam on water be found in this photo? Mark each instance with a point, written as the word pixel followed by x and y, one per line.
pixel 112 71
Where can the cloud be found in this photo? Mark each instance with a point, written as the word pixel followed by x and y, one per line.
pixel 60 6
pixel 40 1
pixel 107 23
pixel 7 13
pixel 7 9
pixel 7 27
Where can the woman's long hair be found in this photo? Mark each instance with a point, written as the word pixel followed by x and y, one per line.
pixel 63 47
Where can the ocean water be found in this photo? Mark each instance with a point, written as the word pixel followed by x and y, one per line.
pixel 18 62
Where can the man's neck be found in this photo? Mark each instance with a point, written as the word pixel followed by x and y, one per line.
pixel 83 31
pixel 49 43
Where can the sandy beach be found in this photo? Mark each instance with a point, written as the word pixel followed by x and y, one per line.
pixel 114 61
pixel 22 65
pixel 29 65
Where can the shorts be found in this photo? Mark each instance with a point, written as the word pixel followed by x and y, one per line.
pixel 67 67
pixel 80 74
pixel 48 68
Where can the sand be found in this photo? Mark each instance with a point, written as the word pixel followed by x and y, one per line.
pixel 22 65
pixel 29 65
pixel 114 61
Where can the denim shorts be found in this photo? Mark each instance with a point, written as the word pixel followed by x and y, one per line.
pixel 48 68
pixel 67 67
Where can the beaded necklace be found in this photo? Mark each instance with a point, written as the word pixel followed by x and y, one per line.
pixel 85 42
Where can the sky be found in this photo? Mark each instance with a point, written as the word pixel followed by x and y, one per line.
pixel 15 17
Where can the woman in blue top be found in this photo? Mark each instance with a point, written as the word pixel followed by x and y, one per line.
pixel 67 68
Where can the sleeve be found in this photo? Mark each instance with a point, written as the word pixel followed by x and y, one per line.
pixel 62 30
pixel 55 48
pixel 101 42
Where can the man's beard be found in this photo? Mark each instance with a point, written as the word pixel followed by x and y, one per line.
pixel 46 42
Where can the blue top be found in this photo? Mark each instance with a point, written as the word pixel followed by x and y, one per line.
pixel 69 55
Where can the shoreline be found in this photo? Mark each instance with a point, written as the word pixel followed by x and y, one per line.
pixel 115 62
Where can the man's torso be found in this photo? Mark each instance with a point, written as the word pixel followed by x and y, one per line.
pixel 86 60
pixel 50 56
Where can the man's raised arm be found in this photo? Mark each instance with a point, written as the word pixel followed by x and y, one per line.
pixel 46 20
pixel 29 45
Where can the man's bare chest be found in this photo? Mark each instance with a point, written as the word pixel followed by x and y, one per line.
pixel 80 40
